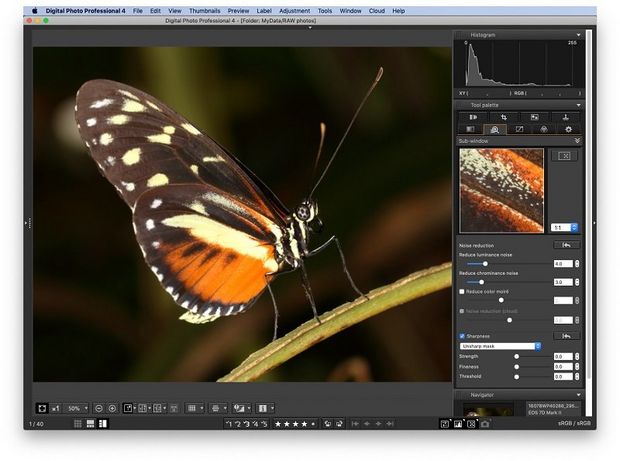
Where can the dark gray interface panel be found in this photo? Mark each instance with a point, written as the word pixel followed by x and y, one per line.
pixel 523 311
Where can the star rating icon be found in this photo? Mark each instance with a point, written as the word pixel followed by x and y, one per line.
pixel 301 423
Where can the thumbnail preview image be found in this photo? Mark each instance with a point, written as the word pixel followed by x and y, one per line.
pixel 501 190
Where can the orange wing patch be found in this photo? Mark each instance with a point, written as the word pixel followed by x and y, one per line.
pixel 212 253
pixel 225 280
pixel 236 280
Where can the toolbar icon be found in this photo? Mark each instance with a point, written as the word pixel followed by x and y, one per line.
pixel 174 408
pixel 241 408
pixel 195 407
pixel 55 408
pixel 41 408
pixel 218 407
pixel 265 407
pixel 103 423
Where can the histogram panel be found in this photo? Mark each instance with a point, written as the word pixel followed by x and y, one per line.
pixel 519 63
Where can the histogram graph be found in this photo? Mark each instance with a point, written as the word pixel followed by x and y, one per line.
pixel 519 63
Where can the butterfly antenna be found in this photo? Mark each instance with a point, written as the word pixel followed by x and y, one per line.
pixel 346 132
pixel 318 154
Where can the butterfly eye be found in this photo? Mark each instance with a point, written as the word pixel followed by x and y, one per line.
pixel 303 212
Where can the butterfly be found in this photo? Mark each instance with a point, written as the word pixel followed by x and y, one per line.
pixel 212 232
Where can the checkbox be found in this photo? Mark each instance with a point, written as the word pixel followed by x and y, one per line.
pixel 461 311
pixel 461 291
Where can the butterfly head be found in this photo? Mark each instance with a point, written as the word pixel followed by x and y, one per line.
pixel 307 212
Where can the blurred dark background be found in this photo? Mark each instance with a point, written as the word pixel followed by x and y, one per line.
pixel 99 312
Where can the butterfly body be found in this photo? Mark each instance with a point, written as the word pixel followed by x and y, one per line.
pixel 292 247
pixel 212 233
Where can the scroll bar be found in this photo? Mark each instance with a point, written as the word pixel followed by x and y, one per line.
pixel 589 223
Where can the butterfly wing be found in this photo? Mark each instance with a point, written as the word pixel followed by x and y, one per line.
pixel 206 224
pixel 138 143
pixel 211 252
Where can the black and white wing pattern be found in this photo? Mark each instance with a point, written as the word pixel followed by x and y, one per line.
pixel 138 142
pixel 207 226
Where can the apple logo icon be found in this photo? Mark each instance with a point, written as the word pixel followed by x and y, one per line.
pixel 34 11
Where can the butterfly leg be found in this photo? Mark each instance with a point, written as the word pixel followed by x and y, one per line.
pixel 306 284
pixel 334 239
pixel 276 313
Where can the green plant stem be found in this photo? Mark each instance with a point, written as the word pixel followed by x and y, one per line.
pixel 310 333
